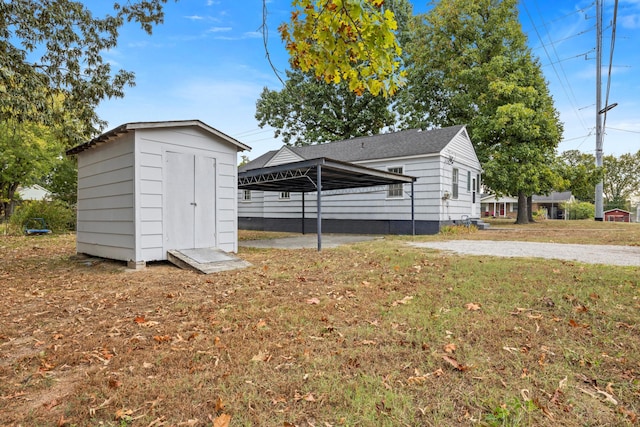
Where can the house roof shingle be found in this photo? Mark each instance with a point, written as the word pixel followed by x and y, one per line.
pixel 406 143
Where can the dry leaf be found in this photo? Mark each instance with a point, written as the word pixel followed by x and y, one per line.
pixel 261 357
pixel 450 348
pixel 581 309
pixel 222 421
pixel 472 306
pixel 162 338
pixel 123 413
pixel 402 301
pixel 219 405
pixel 313 301
pixel 261 324
pixel 453 362
pixel 139 319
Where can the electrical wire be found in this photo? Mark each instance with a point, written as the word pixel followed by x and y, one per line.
pixel 563 83
pixel 613 43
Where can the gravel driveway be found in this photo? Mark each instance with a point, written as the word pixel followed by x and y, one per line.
pixel 591 254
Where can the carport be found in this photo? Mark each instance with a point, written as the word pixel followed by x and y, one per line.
pixel 321 174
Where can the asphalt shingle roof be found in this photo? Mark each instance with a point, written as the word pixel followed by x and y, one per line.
pixel 397 144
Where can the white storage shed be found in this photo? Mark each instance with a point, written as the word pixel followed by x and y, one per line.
pixel 150 187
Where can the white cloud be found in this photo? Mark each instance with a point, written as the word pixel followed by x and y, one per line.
pixel 195 17
pixel 631 22
pixel 219 29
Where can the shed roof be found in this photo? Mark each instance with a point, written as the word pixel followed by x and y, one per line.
pixel 127 127
pixel 617 210
pixel 406 143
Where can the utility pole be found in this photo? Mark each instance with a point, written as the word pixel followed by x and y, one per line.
pixel 599 214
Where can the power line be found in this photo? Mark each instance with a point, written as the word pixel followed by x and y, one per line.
pixel 568 93
pixel 613 43
pixel 626 130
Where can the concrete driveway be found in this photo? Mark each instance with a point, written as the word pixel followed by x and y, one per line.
pixel 309 241
pixel 590 254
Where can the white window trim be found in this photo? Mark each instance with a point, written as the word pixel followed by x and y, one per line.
pixel 400 186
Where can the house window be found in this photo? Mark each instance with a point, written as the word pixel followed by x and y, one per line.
pixel 454 184
pixel 478 183
pixel 285 195
pixel 469 181
pixel 246 195
pixel 395 191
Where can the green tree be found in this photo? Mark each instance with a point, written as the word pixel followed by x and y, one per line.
pixel 53 50
pixel 28 153
pixel 62 179
pixel 580 172
pixel 310 111
pixel 469 64
pixel 621 179
pixel 345 40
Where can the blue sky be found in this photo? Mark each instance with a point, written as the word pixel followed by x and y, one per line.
pixel 208 62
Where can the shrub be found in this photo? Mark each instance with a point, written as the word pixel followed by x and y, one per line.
pixel 579 210
pixel 454 230
pixel 58 216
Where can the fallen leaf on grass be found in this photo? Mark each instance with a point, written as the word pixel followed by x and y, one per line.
pixel 162 338
pixel 122 414
pixel 261 357
pixel 139 319
pixel 366 342
pixel 309 397
pixel 630 414
pixel 457 365
pixel 402 301
pixel 51 404
pixel 575 324
pixel 261 324
pixel 222 421
pixel 472 306
pixel 219 407
pixel 312 301
pixel 581 309
pixel 450 348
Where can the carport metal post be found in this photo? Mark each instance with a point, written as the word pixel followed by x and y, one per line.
pixel 413 212
pixel 303 230
pixel 319 202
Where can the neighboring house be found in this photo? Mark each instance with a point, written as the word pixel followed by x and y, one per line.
pixel 507 206
pixel 617 215
pixel 498 207
pixel 34 192
pixel 446 190
pixel 552 203
pixel 147 188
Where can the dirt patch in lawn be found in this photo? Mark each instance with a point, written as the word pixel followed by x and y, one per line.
pixel 373 334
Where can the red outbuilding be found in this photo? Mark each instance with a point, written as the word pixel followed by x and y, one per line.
pixel 617 215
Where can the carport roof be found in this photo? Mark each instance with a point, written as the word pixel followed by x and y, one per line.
pixel 302 176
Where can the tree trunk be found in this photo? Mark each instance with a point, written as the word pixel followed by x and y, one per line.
pixel 523 215
pixel 530 208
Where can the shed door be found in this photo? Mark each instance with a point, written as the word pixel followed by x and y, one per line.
pixel 190 209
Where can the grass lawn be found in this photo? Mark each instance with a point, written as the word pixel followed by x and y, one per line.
pixel 371 334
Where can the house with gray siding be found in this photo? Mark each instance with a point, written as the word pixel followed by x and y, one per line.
pixel 446 189
pixel 150 187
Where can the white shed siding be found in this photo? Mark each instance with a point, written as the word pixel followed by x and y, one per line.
pixel 106 225
pixel 153 145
